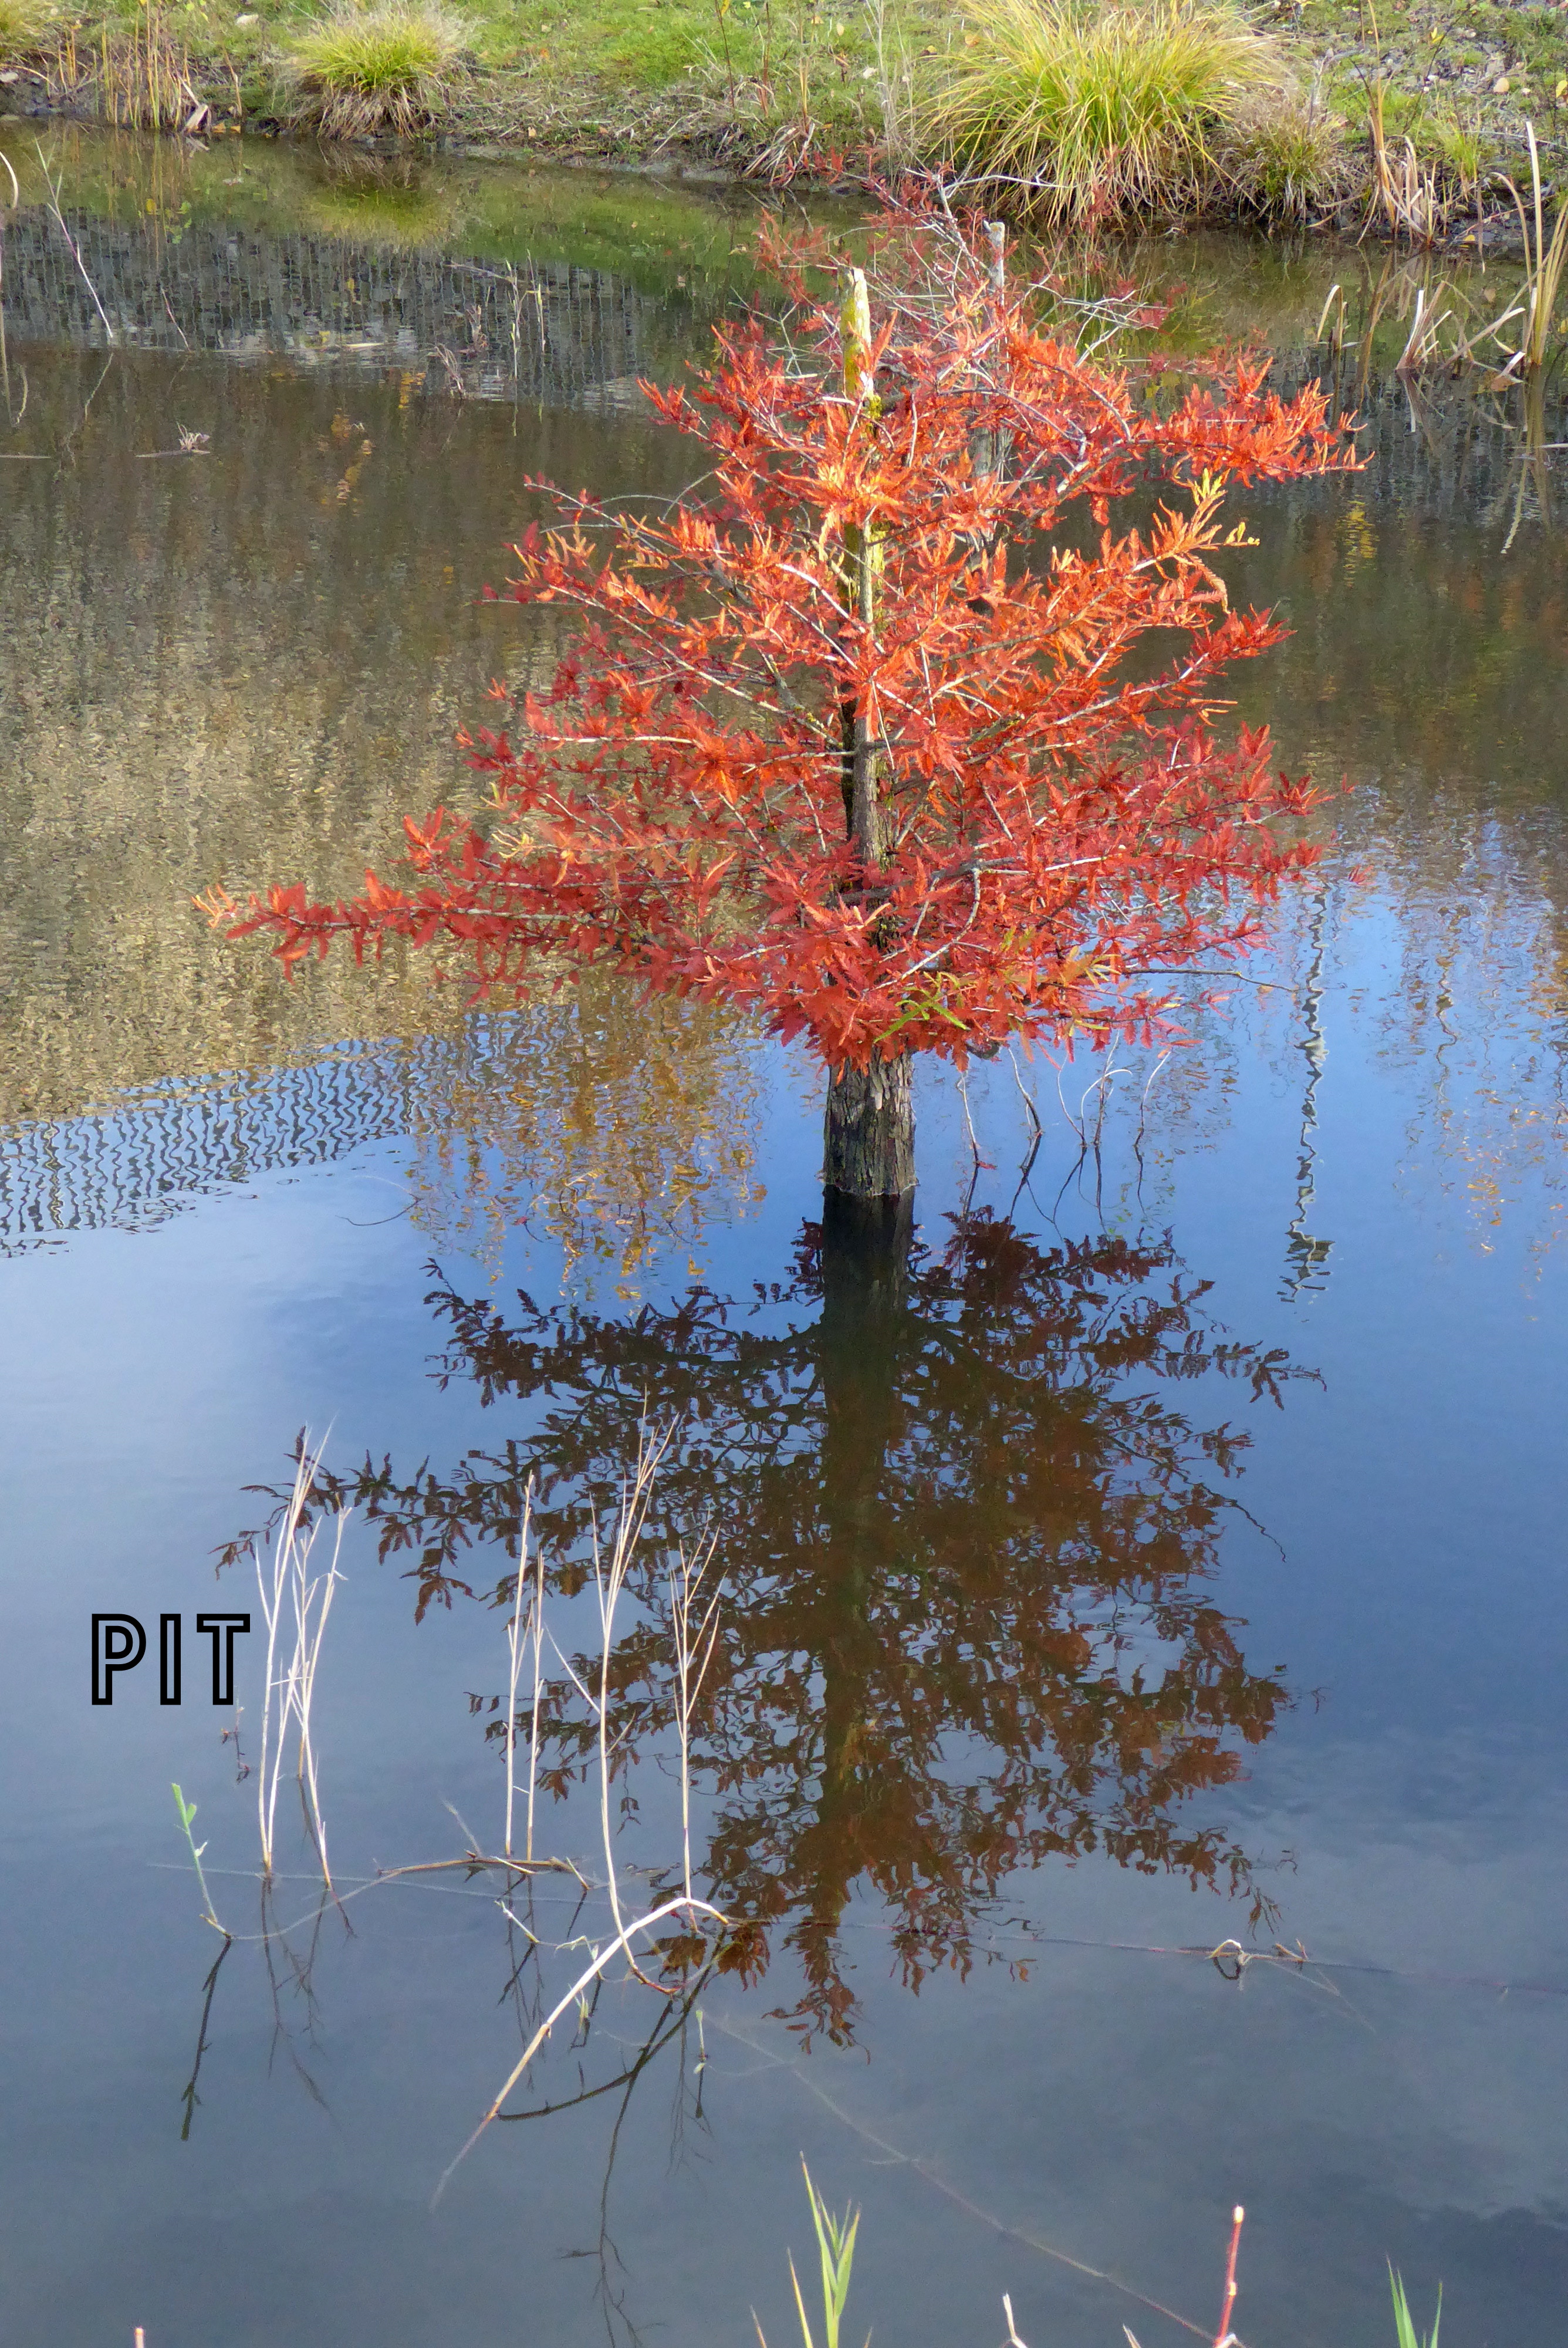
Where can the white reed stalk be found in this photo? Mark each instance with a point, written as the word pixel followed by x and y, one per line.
pixel 308 1656
pixel 692 1657
pixel 534 1716
pixel 514 1645
pixel 694 1649
pixel 271 1608
pixel 610 1583
pixel 290 1692
pixel 584 1981
pixel 71 245
pixel 607 1599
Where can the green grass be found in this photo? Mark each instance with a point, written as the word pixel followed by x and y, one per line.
pixel 1458 146
pixel 619 72
pixel 1404 2322
pixel 835 2248
pixel 1137 107
pixel 754 62
pixel 24 24
pixel 1546 263
pixel 1085 112
pixel 1290 161
pixel 835 2253
pixel 389 66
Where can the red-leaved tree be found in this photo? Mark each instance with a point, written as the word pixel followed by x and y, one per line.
pixel 865 735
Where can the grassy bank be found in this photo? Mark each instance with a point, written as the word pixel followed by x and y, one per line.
pixel 1174 107
pixel 615 77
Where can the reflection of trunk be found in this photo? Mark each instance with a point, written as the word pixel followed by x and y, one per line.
pixel 865 1266
pixel 868 1141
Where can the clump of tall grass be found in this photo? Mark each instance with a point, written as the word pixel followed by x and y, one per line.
pixel 1460 146
pixel 25 27
pixel 1087 113
pixel 385 67
pixel 1288 160
pixel 144 78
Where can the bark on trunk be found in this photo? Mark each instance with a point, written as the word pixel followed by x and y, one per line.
pixel 868 1134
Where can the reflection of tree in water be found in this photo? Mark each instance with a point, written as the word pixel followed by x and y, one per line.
pixel 607 1124
pixel 1307 1258
pixel 966 1539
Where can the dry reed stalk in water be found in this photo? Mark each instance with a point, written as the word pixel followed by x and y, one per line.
pixel 294 1688
pixel 692 1657
pixel 1225 2335
pixel 514 1644
pixel 1544 264
pixel 15 206
pixel 693 1652
pixel 59 219
pixel 609 1583
pixel 681 1905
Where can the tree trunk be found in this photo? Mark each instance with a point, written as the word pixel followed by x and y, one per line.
pixel 868 1135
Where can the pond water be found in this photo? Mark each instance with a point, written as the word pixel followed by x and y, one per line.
pixel 1175 1558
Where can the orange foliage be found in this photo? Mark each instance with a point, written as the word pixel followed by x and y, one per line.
pixel 1056 828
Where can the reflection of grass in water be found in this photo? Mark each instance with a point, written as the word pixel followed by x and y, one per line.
pixel 619 1129
pixel 404 208
pixel 660 237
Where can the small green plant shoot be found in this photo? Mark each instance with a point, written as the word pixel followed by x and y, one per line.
pixel 836 2247
pixel 1404 2322
pixel 186 1812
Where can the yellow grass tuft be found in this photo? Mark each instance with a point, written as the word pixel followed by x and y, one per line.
pixel 384 67
pixel 1100 113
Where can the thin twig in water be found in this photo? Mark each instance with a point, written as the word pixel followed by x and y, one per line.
pixel 294 1688
pixel 1025 1096
pixel 970 1123
pixel 71 246
pixel 692 1657
pixel 188 2096
pixel 585 1981
pixel 514 1643
pixel 15 206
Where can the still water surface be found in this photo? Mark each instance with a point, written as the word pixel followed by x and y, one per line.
pixel 1176 1557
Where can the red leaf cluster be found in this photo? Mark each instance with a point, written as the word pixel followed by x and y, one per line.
pixel 1037 679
